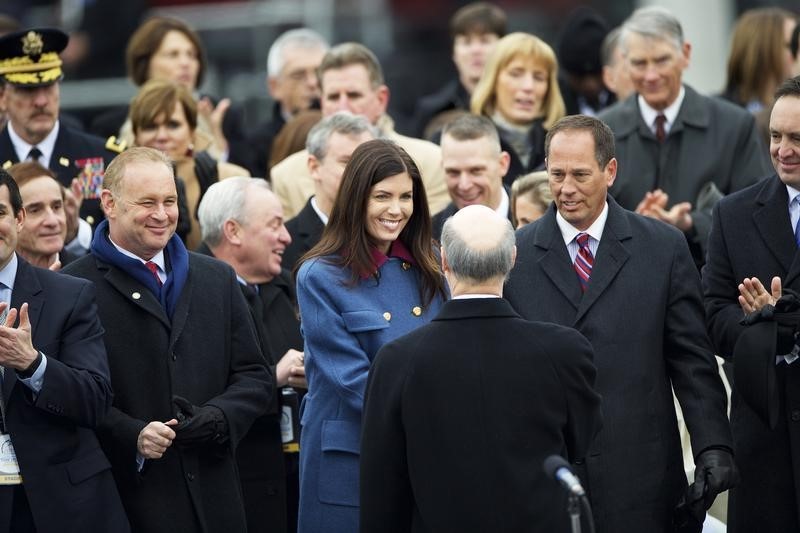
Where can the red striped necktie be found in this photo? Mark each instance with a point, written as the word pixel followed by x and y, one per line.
pixel 584 260
pixel 152 267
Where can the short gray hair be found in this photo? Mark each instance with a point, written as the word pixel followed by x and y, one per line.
pixel 224 201
pixel 478 265
pixel 653 22
pixel 610 44
pixel 297 38
pixel 343 123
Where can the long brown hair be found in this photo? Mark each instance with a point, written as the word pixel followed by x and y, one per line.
pixel 755 63
pixel 345 240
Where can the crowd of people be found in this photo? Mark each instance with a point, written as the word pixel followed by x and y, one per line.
pixel 324 325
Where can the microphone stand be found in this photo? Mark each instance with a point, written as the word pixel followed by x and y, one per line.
pixel 574 510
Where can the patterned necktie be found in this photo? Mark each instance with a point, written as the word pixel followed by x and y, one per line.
pixel 583 260
pixel 35 154
pixel 661 132
pixel 152 267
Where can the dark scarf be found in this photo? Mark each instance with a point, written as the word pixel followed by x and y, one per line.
pixel 170 291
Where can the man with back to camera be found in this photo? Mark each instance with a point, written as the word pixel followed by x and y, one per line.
pixel 188 373
pixel 678 151
pixel 54 390
pixel 474 166
pixel 628 283
pixel 465 453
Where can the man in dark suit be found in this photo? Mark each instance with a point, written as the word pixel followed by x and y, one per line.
pixel 242 223
pixel 628 283
pixel 292 82
pixel 30 94
pixel 515 393
pixel 330 144
pixel 188 375
pixel 474 30
pixel 474 166
pixel 54 389
pixel 678 151
pixel 752 256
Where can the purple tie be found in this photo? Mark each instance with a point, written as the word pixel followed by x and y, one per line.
pixel 583 260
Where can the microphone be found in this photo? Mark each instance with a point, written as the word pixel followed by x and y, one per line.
pixel 557 468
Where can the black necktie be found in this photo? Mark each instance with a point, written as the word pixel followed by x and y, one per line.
pixel 34 154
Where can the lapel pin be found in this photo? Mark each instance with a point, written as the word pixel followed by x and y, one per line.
pixel 64 162
pixel 136 295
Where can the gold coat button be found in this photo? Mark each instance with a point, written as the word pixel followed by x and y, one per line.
pixel 90 220
pixel 387 315
pixel 416 310
pixel 406 265
pixel 63 161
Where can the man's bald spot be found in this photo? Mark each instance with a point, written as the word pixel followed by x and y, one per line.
pixel 479 226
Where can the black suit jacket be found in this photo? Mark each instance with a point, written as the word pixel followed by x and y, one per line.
pixel 67 478
pixel 259 143
pixel 643 314
pixel 259 455
pixel 207 353
pixel 71 148
pixel 751 236
pixel 306 230
pixel 459 416
pixel 712 143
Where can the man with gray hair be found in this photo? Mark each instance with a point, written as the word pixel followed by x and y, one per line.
pixel 615 70
pixel 293 85
pixel 678 151
pixel 330 144
pixel 242 224
pixel 465 453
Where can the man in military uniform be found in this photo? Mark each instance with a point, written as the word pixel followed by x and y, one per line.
pixel 30 72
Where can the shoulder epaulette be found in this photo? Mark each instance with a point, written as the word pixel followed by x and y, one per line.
pixel 116 145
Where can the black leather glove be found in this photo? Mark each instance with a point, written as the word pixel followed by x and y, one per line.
pixel 198 425
pixel 715 472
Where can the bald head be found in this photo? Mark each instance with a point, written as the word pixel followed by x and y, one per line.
pixel 478 246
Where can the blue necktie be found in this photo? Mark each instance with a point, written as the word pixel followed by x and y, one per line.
pixel 797 226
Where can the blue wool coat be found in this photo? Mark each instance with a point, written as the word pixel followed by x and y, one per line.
pixel 344 327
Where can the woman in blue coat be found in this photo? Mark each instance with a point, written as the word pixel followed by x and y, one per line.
pixel 372 278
